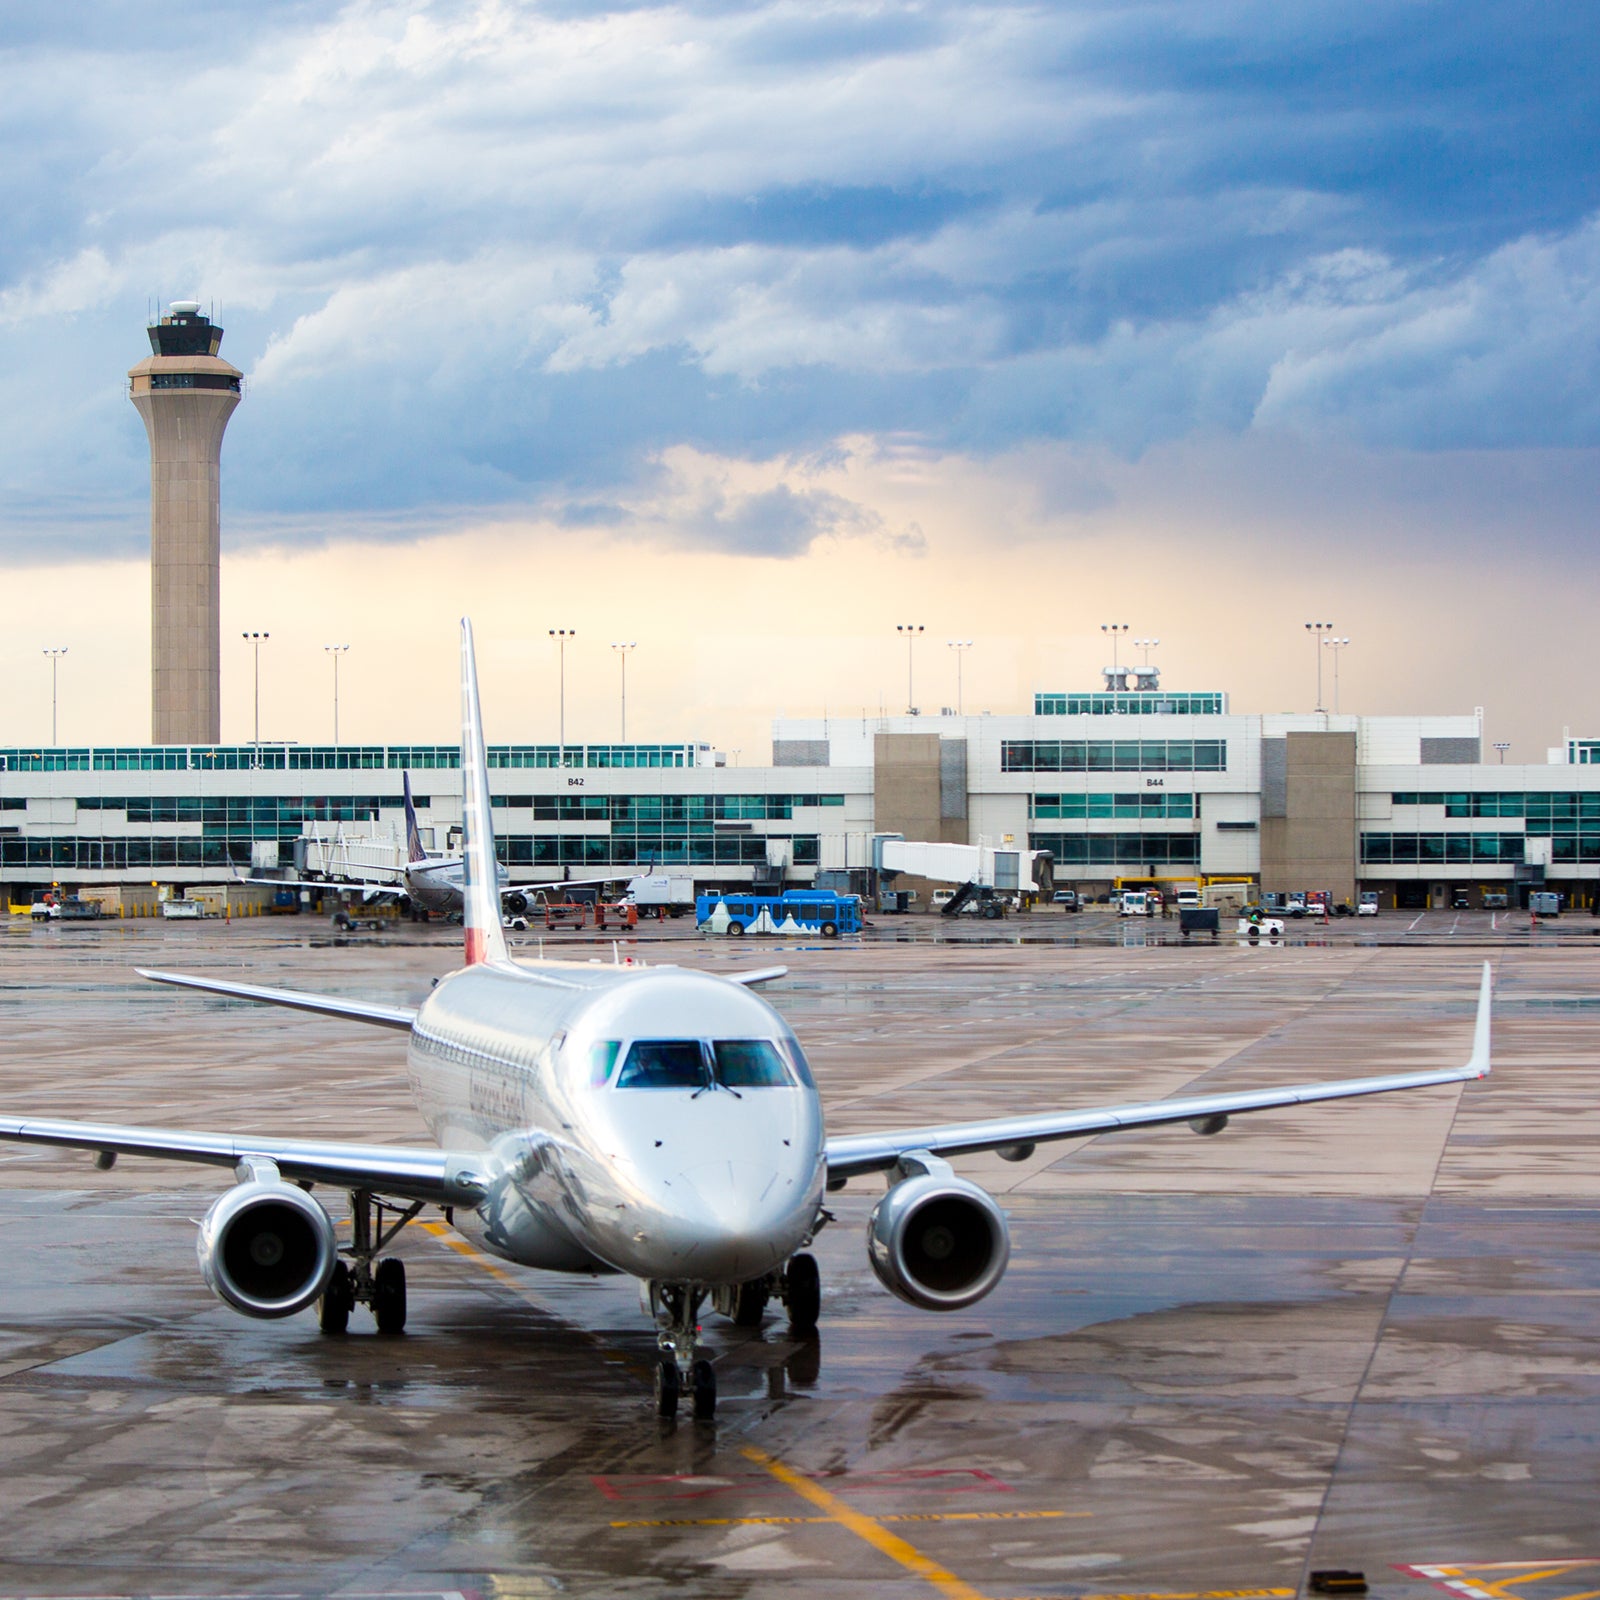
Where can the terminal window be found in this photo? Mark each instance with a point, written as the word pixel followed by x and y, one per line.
pixel 1119 849
pixel 1110 703
pixel 1114 755
pixel 1150 803
pixel 1425 849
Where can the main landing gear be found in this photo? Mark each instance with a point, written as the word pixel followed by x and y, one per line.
pixel 798 1285
pixel 681 1369
pixel 364 1279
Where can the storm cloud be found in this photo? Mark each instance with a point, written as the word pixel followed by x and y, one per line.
pixel 500 256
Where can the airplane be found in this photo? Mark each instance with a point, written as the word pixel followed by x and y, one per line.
pixel 432 883
pixel 654 1121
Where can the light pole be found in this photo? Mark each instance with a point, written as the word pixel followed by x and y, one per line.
pixel 256 639
pixel 1502 748
pixel 1316 630
pixel 1146 645
pixel 960 646
pixel 1116 630
pixel 622 650
pixel 561 635
pixel 336 650
pixel 910 630
pixel 1335 645
pixel 55 652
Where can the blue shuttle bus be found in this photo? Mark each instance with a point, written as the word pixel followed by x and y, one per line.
pixel 800 911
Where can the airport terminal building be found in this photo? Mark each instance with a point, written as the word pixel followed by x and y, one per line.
pixel 1117 783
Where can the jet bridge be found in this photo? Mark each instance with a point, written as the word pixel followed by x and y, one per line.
pixel 982 872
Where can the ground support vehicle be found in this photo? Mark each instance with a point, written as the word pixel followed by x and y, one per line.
pixel 1135 903
pixel 662 894
pixel 572 914
pixel 977 900
pixel 1255 925
pixel 1367 905
pixel 798 912
pixel 1068 900
pixel 1199 919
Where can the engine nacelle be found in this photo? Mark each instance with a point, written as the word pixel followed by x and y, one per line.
pixel 267 1248
pixel 937 1241
pixel 515 904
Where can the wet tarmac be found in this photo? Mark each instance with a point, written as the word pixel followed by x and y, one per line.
pixel 1362 1336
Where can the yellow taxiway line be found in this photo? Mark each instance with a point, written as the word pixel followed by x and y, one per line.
pixel 869 1530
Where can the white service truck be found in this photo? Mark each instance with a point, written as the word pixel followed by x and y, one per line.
pixel 666 893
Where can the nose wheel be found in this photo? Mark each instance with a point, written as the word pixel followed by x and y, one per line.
pixel 680 1368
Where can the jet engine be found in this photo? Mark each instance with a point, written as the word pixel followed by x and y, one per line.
pixel 515 904
pixel 936 1240
pixel 266 1247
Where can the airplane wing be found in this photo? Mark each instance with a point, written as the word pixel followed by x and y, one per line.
pixel 367 891
pixel 757 975
pixel 329 1005
pixel 852 1154
pixel 431 1175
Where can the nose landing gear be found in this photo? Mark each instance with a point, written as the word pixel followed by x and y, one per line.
pixel 680 1366
pixel 365 1280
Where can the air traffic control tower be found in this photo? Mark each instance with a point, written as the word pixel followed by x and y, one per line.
pixel 185 392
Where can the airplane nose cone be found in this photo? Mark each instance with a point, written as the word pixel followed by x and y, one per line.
pixel 742 1219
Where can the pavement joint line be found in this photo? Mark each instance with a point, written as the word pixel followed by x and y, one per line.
pixel 868 1529
pixel 888 1516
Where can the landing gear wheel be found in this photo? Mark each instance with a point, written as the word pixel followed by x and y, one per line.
pixel 389 1296
pixel 750 1304
pixel 667 1388
pixel 338 1299
pixel 804 1295
pixel 705 1391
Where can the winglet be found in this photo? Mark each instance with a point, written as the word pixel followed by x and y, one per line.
pixel 480 894
pixel 414 850
pixel 1479 1061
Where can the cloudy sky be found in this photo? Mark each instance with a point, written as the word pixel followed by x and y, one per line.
pixel 747 331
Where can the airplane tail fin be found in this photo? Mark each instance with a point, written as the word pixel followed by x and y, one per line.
pixel 480 888
pixel 414 850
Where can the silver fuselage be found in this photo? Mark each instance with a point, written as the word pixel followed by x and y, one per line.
pixel 435 885
pixel 671 1185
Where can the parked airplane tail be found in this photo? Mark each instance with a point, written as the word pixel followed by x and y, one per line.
pixel 480 889
pixel 414 850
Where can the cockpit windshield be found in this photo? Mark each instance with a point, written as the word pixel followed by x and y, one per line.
pixel 749 1064
pixel 664 1064
pixel 736 1064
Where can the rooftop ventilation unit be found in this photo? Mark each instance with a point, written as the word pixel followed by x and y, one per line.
pixel 1116 679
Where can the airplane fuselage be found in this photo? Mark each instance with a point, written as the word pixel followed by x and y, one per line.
pixel 435 885
pixel 586 1169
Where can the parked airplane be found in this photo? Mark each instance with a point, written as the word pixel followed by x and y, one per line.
pixel 650 1121
pixel 432 883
